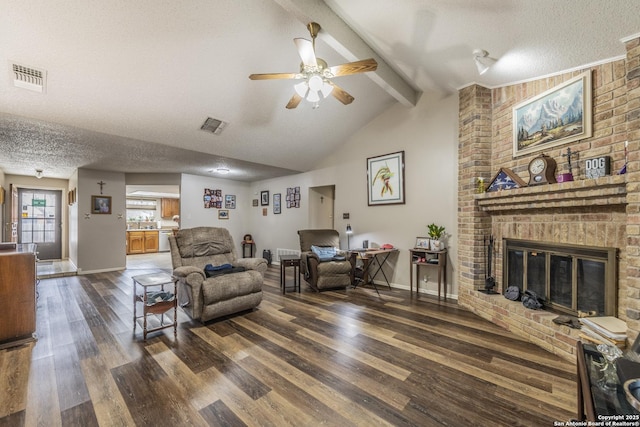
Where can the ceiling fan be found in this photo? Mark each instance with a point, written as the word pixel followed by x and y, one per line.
pixel 316 74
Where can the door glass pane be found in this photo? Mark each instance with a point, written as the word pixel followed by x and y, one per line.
pixel 38 224
pixel 560 281
pixel 591 284
pixel 516 268
pixel 536 273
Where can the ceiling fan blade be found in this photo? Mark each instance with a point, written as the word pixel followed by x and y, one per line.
pixel 271 76
pixel 294 101
pixel 305 50
pixel 354 67
pixel 341 95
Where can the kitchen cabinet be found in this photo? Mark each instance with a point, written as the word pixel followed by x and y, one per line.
pixel 150 241
pixel 142 241
pixel 170 207
pixel 135 242
pixel 18 294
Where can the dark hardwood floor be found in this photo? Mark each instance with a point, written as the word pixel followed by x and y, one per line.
pixel 343 358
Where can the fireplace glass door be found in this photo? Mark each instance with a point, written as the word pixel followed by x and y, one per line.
pixel 569 278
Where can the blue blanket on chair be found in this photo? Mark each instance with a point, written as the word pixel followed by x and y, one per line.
pixel 211 270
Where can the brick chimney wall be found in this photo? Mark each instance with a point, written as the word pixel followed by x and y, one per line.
pixel 595 212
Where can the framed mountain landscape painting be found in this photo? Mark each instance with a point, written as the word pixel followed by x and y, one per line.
pixel 555 117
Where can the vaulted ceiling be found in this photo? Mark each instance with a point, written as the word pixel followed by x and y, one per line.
pixel 129 84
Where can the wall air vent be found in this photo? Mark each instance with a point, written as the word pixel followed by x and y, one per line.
pixel 28 77
pixel 214 126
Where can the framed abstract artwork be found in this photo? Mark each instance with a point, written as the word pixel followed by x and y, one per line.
pixel 385 179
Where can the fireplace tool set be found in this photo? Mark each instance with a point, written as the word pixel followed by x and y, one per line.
pixel 489 280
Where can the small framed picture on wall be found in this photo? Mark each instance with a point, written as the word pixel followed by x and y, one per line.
pixel 276 203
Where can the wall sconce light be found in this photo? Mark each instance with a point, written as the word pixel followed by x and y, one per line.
pixel 482 60
pixel 349 232
pixel 39 173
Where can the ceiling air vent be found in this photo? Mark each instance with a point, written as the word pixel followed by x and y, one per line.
pixel 214 126
pixel 28 77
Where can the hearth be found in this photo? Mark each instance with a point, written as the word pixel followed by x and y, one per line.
pixel 570 278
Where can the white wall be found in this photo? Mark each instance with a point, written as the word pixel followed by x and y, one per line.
pixel 193 213
pixel 428 134
pixel 101 237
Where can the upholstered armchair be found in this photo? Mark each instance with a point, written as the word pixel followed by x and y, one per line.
pixel 325 272
pixel 202 297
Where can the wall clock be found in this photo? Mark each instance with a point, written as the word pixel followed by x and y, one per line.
pixel 542 170
pixel 600 166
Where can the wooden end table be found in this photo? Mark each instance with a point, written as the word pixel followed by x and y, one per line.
pixel 417 254
pixel 145 282
pixel 289 261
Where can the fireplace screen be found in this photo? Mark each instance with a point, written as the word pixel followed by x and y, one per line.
pixel 569 278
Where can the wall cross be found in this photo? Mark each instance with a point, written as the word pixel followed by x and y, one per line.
pixel 101 183
pixel 568 156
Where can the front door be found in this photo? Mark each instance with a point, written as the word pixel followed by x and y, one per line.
pixel 40 221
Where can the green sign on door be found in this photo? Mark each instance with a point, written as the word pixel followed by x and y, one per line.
pixel 38 202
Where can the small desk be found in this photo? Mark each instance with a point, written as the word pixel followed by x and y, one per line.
pixel 375 258
pixel 289 261
pixel 441 256
pixel 147 281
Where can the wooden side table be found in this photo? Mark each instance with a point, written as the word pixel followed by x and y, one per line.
pixel 248 246
pixel 145 282
pixel 441 263
pixel 289 261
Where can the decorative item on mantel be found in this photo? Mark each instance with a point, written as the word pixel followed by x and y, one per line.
pixel 597 167
pixel 566 177
pixel 542 170
pixel 436 232
pixel 626 155
pixel 505 179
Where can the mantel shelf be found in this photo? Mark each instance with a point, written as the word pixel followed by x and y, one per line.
pixel 606 190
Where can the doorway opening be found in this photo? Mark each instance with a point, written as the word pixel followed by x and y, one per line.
pixel 321 205
pixel 152 213
pixel 40 221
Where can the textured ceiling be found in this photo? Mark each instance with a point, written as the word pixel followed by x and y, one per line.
pixel 128 86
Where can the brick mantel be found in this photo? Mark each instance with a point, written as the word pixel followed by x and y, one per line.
pixel 602 212
pixel 603 191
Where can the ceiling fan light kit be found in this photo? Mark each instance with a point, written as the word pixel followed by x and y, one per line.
pixel 316 74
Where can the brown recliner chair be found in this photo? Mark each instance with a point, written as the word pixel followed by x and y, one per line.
pixel 325 274
pixel 204 298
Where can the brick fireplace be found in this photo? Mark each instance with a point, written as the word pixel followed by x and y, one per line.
pixel 600 212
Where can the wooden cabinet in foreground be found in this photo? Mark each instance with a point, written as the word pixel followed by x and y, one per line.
pixel 17 293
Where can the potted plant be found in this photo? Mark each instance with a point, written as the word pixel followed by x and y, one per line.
pixel 436 232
